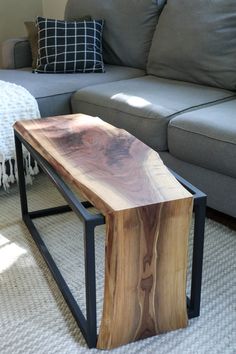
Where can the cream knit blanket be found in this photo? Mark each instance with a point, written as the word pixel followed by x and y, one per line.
pixel 16 103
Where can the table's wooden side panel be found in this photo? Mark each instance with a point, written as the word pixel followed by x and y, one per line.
pixel 145 272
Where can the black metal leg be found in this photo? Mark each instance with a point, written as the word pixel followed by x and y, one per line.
pixel 197 260
pixel 90 281
pixel 199 208
pixel 21 176
pixel 87 325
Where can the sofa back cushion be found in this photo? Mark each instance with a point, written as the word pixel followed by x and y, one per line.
pixel 128 28
pixel 196 41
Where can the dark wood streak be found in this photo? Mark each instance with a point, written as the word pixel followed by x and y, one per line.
pixel 150 219
pixel 147 328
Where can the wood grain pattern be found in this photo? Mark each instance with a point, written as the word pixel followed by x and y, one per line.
pixel 148 216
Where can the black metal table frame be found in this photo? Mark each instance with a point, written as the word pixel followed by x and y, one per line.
pixel 88 325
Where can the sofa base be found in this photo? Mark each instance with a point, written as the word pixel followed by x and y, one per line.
pixel 220 189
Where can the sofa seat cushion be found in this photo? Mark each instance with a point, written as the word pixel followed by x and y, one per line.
pixel 143 106
pixel 206 137
pixel 53 91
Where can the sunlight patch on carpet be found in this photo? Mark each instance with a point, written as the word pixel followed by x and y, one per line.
pixel 9 253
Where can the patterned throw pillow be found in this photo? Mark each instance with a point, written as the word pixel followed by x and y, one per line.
pixel 32 32
pixel 69 46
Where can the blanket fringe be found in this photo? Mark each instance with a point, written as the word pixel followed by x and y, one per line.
pixel 9 174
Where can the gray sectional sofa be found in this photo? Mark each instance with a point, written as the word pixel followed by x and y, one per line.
pixel 170 80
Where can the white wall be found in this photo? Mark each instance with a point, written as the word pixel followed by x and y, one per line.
pixel 13 13
pixel 54 8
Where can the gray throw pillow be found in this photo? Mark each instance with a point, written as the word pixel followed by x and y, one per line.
pixel 128 28
pixel 32 32
pixel 196 41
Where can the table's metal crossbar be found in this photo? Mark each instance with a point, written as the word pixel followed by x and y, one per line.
pixel 88 325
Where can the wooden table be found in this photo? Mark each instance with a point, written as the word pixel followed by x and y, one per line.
pixel 147 213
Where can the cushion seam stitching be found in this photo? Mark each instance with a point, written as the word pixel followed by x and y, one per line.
pixel 116 109
pixel 173 115
pixel 200 134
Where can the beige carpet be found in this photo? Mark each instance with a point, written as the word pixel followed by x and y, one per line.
pixel 34 317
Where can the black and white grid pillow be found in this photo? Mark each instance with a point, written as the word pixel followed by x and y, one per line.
pixel 68 47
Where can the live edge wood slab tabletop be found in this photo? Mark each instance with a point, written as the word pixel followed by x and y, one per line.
pixel 148 215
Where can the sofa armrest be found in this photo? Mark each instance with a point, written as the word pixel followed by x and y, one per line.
pixel 16 53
